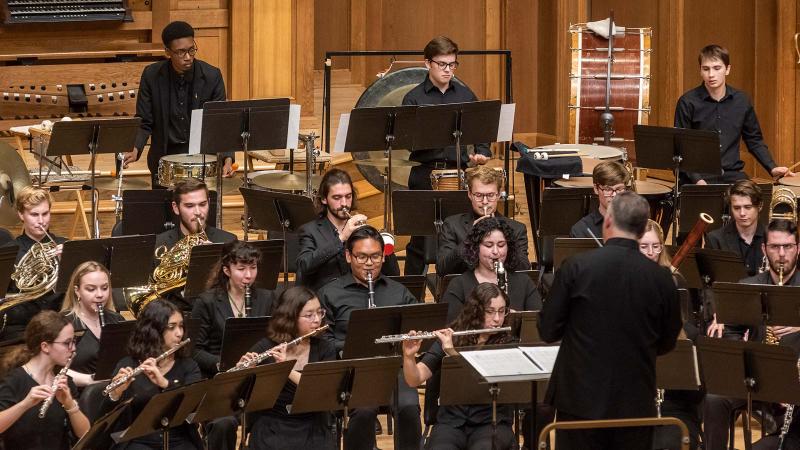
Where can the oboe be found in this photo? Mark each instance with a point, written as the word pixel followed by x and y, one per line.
pixel 49 400
pixel 101 315
pixel 139 369
pixel 392 338
pixel 252 362
pixel 371 286
pixel 502 276
pixel 248 303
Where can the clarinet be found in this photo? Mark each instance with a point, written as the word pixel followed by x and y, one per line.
pixel 371 285
pixel 248 302
pixel 502 276
pixel 101 315
pixel 49 400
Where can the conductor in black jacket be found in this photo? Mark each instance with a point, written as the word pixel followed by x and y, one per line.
pixel 614 311
pixel 168 92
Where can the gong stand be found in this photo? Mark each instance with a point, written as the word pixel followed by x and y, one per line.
pixel 606 118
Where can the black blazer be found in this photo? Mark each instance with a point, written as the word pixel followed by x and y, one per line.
pixel 614 311
pixel 320 258
pixel 455 229
pixel 152 104
pixel 171 237
pixel 212 308
pixel 727 238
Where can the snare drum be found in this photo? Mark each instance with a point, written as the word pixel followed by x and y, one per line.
pixel 444 180
pixel 172 168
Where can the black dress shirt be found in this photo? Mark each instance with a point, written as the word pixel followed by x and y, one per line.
pixel 728 238
pixel 85 360
pixel 212 308
pixel 733 117
pixel 614 311
pixel 450 259
pixel 521 292
pixel 321 259
pixel 592 221
pixel 180 107
pixel 171 237
pixel 426 93
pixel 343 295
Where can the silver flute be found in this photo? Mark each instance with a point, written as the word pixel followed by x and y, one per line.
pixel 139 369
pixel 101 315
pixel 502 276
pixel 248 302
pixel 256 360
pixel 392 338
pixel 53 387
pixel 371 286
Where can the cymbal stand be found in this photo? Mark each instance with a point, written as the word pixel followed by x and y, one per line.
pixel 387 180
pixel 607 118
pixel 311 158
pixel 118 197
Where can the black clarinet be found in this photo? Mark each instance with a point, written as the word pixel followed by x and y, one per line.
pixel 101 315
pixel 248 302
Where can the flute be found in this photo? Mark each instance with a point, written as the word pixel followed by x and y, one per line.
pixel 101 315
pixel 139 369
pixel 392 338
pixel 49 400
pixel 266 354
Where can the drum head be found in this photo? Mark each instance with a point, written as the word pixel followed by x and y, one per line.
pixel 190 159
pixel 790 181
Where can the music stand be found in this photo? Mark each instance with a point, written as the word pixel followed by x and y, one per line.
pixel 122 256
pixel 98 436
pixel 422 213
pixel 564 248
pixel 719 265
pixel 278 212
pixel 366 325
pixel 230 126
pixel 697 199
pixel 689 268
pixel 414 283
pixel 525 326
pixel 757 304
pixel 94 136
pixel 678 369
pixel 150 211
pixel 561 209
pixel 677 149
pixel 8 256
pixel 113 347
pixel 458 124
pixel 444 282
pixel 238 337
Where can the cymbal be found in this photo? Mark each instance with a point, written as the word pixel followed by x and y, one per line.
pixel 13 177
pixel 292 182
pixel 384 162
pixel 110 184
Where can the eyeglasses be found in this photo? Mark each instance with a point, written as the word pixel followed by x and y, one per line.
pixel 609 191
pixel 72 343
pixel 314 314
pixel 651 248
pixel 489 196
pixel 502 312
pixel 181 53
pixel 375 258
pixel 778 247
pixel 442 65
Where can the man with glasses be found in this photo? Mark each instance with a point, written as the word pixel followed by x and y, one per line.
pixel 609 178
pixel 364 253
pixel 483 189
pixel 439 87
pixel 168 92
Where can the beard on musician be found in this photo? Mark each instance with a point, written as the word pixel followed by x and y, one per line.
pixel 192 210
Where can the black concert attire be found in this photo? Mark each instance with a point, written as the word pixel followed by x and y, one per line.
pixel 728 238
pixel 185 437
pixel 165 103
pixel 614 311
pixel 321 259
pixel 171 237
pixel 717 409
pixel 522 293
pixel 339 298
pixel 734 118
pixel 466 426
pixel 88 346
pixel 54 431
pixel 592 221
pixel 277 428
pixel 426 93
pixel 455 229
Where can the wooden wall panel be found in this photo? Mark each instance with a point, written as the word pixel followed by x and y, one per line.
pixel 331 31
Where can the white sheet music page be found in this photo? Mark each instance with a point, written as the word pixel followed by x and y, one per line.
pixel 507 364
pixel 544 357
pixel 341 133
pixel 293 130
pixel 505 129
pixel 195 131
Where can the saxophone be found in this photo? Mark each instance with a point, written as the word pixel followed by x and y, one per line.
pixel 170 273
pixel 34 274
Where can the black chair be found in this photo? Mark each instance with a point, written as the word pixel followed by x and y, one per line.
pixel 91 399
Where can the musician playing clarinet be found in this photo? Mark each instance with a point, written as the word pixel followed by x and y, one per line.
pixel 483 190
pixel 464 427
pixel 364 254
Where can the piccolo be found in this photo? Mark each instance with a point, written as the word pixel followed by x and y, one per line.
pixel 139 369
pixel 49 400
pixel 431 335
pixel 252 362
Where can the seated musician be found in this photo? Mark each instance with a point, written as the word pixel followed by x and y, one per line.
pixel 168 92
pixel 464 426
pixel 28 377
pixel 364 253
pixel 158 328
pixel 609 178
pixel 490 240
pixel 483 189
pixel 320 258
pixel 780 248
pixel 297 313
pixel 88 294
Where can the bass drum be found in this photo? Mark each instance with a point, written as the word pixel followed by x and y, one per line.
pixel 389 90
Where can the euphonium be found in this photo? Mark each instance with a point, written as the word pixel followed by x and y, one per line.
pixel 170 273
pixel 34 274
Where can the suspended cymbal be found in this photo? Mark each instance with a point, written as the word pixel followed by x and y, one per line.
pixel 13 177
pixel 384 162
pixel 110 184
pixel 290 182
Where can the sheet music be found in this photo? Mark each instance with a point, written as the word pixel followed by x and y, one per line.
pixel 505 129
pixel 544 357
pixel 341 133
pixel 195 131
pixel 293 131
pixel 508 364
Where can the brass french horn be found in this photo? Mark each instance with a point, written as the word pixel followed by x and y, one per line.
pixel 783 205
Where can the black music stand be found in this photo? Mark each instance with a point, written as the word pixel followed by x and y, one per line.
pixel 422 213
pixel 456 124
pixel 94 136
pixel 121 255
pixel 525 326
pixel 444 282
pixel 414 283
pixel 113 347
pixel 204 260
pixel 166 410
pixel 689 268
pixel 757 304
pixel 98 437
pixel 719 265
pixel 8 256
pixel 697 199
pixel 230 126
pixel 150 211
pixel 678 369
pixel 278 212
pixel 368 324
pixel 561 208
pixel 677 149
pixel 238 337
pixel 564 248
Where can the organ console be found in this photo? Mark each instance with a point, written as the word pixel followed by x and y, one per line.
pixel 30 11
